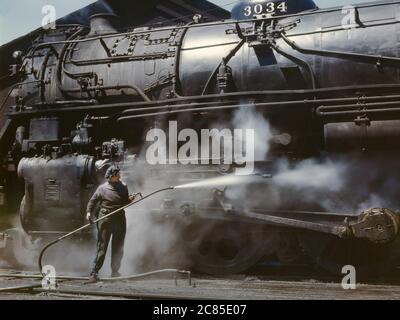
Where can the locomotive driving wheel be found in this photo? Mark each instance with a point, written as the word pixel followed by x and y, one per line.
pixel 220 248
pixel 332 254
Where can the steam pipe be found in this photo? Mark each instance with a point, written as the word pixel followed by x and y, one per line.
pixel 349 109
pixel 121 106
pixel 116 87
pixel 357 57
pixel 60 63
pixel 298 61
pixel 167 103
pixel 213 108
pixel 90 224
pixel 225 60
pixel 178 106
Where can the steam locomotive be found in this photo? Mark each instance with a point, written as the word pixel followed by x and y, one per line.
pixel 327 80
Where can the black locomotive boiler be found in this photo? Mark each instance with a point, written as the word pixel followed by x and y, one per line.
pixel 326 80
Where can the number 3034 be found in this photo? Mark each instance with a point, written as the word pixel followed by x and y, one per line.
pixel 269 7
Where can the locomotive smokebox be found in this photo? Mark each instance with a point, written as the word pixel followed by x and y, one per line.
pixel 103 23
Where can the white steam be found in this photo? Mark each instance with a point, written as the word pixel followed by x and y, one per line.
pixel 249 118
pixel 225 181
pixel 329 175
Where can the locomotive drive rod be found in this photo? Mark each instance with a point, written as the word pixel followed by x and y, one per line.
pixel 93 222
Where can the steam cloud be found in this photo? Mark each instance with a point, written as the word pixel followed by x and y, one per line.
pixel 249 118
pixel 310 174
pixel 334 184
pixel 151 245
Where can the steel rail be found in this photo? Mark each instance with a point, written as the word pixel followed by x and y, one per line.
pixel 128 295
pixel 18 288
pixel 121 278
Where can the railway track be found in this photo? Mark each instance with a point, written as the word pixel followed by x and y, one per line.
pixel 271 284
pixel 34 285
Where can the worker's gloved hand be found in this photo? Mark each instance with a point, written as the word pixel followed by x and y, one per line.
pixel 89 217
pixel 133 197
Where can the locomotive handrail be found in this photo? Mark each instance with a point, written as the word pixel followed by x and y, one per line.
pixel 213 108
pixel 309 97
pixel 15 87
pixel 262 105
pixel 184 105
pixel 60 62
pixel 316 101
pixel 362 109
pixel 358 57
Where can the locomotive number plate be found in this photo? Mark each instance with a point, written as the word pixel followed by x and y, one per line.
pixel 268 7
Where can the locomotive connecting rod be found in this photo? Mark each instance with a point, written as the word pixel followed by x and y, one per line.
pixel 93 222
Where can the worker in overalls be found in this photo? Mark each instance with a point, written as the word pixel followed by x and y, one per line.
pixel 111 196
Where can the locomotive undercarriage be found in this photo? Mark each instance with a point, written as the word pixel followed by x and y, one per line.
pixel 218 237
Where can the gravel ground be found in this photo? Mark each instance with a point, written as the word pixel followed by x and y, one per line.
pixel 232 288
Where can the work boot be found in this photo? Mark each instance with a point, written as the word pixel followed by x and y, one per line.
pixel 115 274
pixel 93 279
